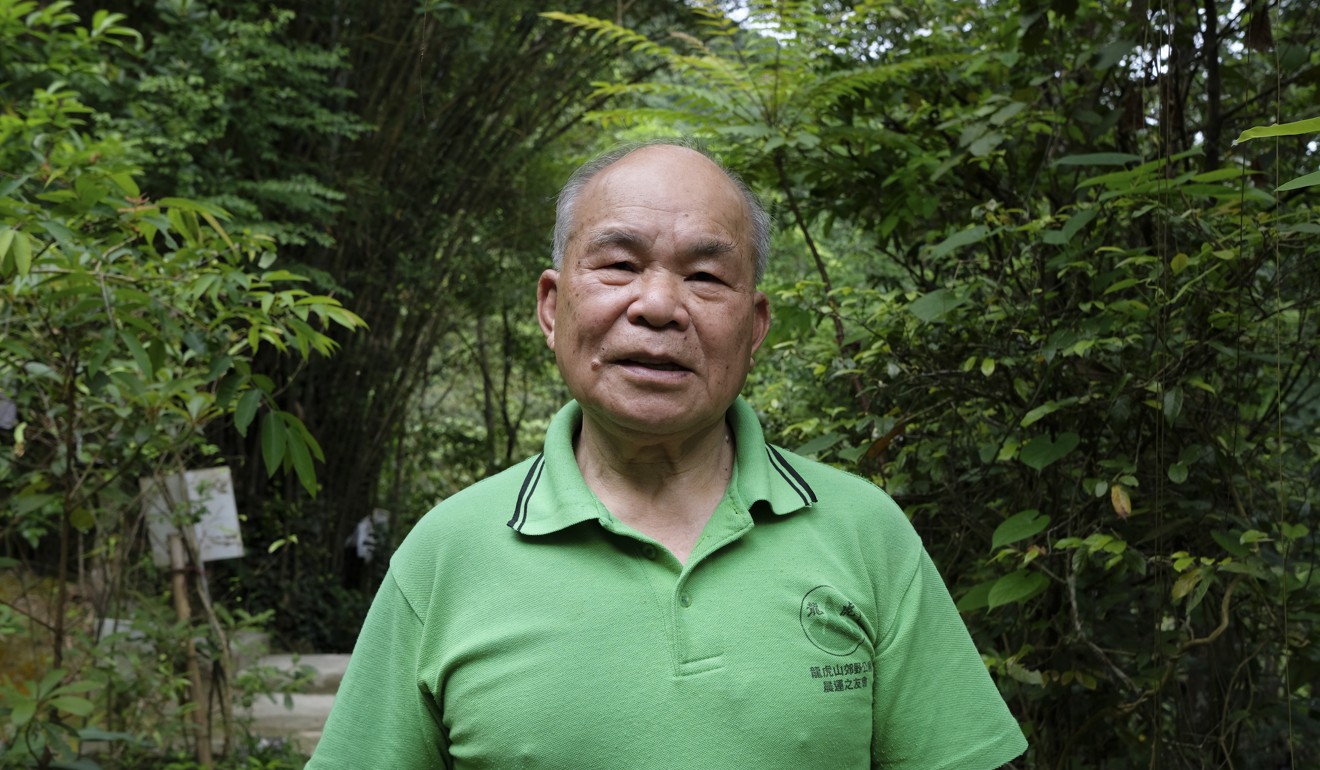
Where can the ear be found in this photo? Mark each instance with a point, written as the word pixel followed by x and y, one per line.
pixel 761 320
pixel 547 296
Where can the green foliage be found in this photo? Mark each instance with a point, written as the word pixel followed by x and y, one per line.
pixel 1063 326
pixel 127 326
pixel 210 98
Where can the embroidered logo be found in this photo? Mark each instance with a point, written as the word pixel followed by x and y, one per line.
pixel 830 621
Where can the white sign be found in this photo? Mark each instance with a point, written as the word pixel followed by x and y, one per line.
pixel 205 496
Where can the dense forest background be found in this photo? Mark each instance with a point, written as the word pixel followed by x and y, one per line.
pixel 1047 271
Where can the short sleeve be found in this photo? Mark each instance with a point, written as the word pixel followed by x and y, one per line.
pixel 935 705
pixel 381 716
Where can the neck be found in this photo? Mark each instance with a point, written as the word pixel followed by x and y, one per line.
pixel 666 488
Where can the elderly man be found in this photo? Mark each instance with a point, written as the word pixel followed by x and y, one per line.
pixel 661 588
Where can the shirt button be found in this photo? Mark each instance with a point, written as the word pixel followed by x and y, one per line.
pixel 685 600
pixel 648 551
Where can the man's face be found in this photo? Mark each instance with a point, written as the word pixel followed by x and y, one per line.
pixel 655 315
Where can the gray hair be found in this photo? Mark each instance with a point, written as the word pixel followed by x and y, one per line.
pixel 572 191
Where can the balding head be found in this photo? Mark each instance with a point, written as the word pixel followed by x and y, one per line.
pixel 569 196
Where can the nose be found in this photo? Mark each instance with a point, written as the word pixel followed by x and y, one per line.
pixel 659 301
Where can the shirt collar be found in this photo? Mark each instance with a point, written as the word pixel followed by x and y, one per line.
pixel 554 496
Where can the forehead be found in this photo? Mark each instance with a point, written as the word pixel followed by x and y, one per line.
pixel 664 187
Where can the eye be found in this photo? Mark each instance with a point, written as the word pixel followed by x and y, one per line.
pixel 625 266
pixel 703 277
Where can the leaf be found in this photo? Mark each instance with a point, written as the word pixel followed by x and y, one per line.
pixel 1119 499
pixel 246 410
pixel 1019 526
pixel 1186 582
pixel 932 307
pixel 959 239
pixel 22 253
pixel 1016 586
pixel 1043 451
pixel 977 597
pixel 1173 404
pixel 272 442
pixel 1178 473
pixel 138 352
pixel 1047 408
pixel 23 710
pixel 819 444
pixel 302 461
pixel 1300 182
pixel 986 144
pixel 1296 128
pixel 80 707
pixel 1294 531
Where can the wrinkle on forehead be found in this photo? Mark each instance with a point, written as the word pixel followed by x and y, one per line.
pixel 705 246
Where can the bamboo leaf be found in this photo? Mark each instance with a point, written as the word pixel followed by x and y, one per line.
pixel 1296 128
pixel 1308 180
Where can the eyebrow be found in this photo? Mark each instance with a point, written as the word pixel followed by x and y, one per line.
pixel 613 238
pixel 706 247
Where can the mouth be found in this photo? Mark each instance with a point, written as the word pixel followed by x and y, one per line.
pixel 654 363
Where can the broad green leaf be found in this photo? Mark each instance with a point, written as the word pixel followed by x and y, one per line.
pixel 1294 531
pixel 246 410
pixel 957 240
pixel 6 238
pixel 1047 408
pixel 301 460
pixel 126 184
pixel 986 144
pixel 1302 181
pixel 1178 473
pixel 1043 451
pixel 1173 404
pixel 1296 128
pixel 22 253
pixel 1019 526
pixel 1186 582
pixel 932 307
pixel 73 704
pixel 977 597
pixel 1016 586
pixel 1230 543
pixel 23 710
pixel 138 352
pixel 819 444
pixel 273 442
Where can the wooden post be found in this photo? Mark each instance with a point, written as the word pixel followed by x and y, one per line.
pixel 180 568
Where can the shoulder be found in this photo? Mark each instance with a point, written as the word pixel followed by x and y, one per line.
pixel 471 521
pixel 835 489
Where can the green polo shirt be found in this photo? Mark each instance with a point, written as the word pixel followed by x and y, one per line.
pixel 523 626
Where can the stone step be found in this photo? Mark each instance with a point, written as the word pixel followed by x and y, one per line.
pixel 303 721
pixel 329 669
pixel 301 724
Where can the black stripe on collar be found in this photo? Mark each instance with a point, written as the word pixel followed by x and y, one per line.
pixel 525 493
pixel 790 475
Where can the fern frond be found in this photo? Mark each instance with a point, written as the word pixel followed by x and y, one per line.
pixel 608 30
